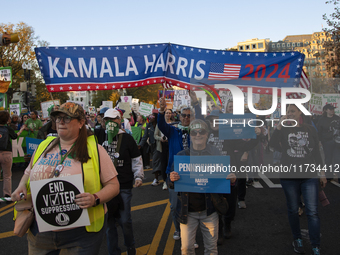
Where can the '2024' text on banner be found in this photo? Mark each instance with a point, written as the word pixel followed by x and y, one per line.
pixel 202 174
pixel 129 66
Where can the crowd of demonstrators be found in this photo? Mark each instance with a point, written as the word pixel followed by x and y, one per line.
pixel 184 132
pixel 77 150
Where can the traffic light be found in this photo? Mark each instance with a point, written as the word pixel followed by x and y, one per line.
pixel 6 39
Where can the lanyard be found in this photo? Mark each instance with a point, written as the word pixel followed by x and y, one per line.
pixel 60 166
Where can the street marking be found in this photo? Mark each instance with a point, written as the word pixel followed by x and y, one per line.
pixel 140 250
pixel 139 207
pixel 335 183
pixel 6 234
pixel 149 183
pixel 160 230
pixel 5 212
pixel 257 185
pixel 170 243
pixel 5 207
pixel 269 182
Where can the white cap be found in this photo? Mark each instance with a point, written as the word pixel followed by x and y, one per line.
pixel 112 113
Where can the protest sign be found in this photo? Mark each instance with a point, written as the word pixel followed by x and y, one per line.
pixel 181 97
pixel 44 106
pixel 5 78
pixel 333 99
pixel 15 109
pixel 316 104
pixel 92 109
pixel 145 109
pixel 82 104
pixel 202 174
pixel 169 98
pixel 54 205
pixel 135 105
pixel 108 104
pixel 126 99
pixel 126 107
pixel 32 144
pixel 232 127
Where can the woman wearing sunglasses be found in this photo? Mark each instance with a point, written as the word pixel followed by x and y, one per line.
pixel 197 208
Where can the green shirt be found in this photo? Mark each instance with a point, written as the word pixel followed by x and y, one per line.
pixel 35 125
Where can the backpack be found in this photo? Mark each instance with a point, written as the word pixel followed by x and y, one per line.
pixel 3 138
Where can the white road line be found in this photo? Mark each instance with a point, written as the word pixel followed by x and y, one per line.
pixel 269 182
pixel 335 183
pixel 257 185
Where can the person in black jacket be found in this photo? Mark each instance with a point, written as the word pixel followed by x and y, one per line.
pixel 6 158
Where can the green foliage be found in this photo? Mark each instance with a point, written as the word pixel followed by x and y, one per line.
pixel 147 94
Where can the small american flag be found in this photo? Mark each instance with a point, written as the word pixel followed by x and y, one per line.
pixel 223 72
pixel 304 83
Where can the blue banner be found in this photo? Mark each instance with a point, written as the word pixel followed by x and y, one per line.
pixel 32 144
pixel 202 174
pixel 231 127
pixel 114 67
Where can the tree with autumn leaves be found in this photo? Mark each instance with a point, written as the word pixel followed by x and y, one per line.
pixel 15 54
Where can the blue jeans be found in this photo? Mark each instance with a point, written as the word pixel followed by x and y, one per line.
pixel 173 205
pixel 125 222
pixel 308 188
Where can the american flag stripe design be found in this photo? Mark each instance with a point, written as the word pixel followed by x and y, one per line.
pixel 167 85
pixel 304 83
pixel 222 72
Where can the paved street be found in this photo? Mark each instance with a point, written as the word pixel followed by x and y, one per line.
pixel 260 229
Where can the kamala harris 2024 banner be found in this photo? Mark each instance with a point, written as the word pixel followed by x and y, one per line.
pixel 116 67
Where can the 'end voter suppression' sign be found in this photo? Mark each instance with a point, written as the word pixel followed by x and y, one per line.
pixel 54 204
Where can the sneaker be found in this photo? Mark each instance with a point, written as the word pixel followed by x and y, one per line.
pixel 176 236
pixel 165 186
pixel 298 246
pixel 155 182
pixel 316 251
pixel 227 230
pixel 196 245
pixel 242 205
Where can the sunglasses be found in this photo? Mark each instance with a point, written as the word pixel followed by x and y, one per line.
pixel 66 119
pixel 185 115
pixel 198 131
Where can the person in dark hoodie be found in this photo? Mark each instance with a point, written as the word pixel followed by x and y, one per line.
pixel 328 130
pixel 49 129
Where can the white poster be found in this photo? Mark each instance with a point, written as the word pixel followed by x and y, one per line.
pixel 54 206
pixel 108 104
pixel 145 109
pixel 92 109
pixel 333 99
pixel 135 104
pixel 44 106
pixel 126 107
pixel 14 109
pixel 126 99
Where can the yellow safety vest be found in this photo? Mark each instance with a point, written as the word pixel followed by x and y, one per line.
pixel 91 178
pixel 144 125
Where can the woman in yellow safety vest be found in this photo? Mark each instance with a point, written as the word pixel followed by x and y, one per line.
pixel 73 152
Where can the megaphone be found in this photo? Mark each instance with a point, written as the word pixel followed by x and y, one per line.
pixel 6 39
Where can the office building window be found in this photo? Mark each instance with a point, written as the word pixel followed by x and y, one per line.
pixel 247 47
pixel 273 45
pixel 240 47
pixel 298 44
pixel 278 45
pixel 253 46
pixel 260 45
pixel 288 44
pixel 324 74
pixel 283 45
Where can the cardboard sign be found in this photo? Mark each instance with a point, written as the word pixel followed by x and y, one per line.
pixel 127 108
pixel 135 105
pixel 54 205
pixel 202 174
pixel 126 99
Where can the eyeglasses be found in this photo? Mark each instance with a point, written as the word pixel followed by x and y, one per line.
pixel 198 131
pixel 185 115
pixel 66 119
